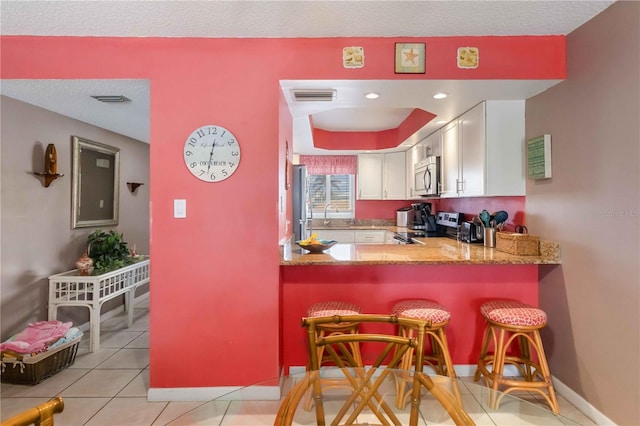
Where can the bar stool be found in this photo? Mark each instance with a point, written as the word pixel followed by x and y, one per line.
pixel 331 308
pixel 509 322
pixel 438 358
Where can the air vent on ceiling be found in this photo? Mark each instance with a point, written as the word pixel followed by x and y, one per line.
pixel 111 98
pixel 317 95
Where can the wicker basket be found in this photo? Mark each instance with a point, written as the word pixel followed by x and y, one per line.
pixel 34 369
pixel 518 244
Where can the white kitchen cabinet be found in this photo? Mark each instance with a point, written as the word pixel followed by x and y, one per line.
pixel 394 176
pixel 388 237
pixel 340 235
pixel 382 176
pixel 370 237
pixel 370 176
pixel 483 151
pixel 433 144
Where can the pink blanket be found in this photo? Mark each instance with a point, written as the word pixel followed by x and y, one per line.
pixel 36 336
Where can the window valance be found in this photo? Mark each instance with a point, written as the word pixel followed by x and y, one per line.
pixel 330 164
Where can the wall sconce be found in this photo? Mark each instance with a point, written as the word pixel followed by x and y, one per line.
pixel 133 186
pixel 50 166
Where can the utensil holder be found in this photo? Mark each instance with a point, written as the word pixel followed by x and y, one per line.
pixel 490 237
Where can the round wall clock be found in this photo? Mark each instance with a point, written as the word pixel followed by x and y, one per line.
pixel 212 153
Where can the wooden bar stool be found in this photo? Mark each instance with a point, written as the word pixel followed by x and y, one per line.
pixel 509 323
pixel 438 358
pixel 330 309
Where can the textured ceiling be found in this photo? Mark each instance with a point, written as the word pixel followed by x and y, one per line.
pixel 295 18
pixel 237 18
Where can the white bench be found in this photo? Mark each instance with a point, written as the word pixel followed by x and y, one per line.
pixel 91 291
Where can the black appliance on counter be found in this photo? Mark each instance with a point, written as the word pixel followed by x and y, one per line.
pixel 423 220
pixel 471 233
pixel 446 226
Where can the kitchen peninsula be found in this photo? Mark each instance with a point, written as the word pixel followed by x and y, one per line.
pixel 458 275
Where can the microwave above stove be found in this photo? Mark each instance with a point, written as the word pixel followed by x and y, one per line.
pixel 426 176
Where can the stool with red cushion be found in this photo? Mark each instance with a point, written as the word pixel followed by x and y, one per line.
pixel 329 309
pixel 513 329
pixel 438 357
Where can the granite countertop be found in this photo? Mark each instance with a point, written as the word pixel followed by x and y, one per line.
pixel 428 251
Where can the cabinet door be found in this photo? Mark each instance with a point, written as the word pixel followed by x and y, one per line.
pixel 341 236
pixel 369 237
pixel 433 144
pixel 394 177
pixel 370 176
pixel 413 155
pixel 472 137
pixel 450 161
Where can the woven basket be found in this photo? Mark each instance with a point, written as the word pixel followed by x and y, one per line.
pixel 518 244
pixel 34 369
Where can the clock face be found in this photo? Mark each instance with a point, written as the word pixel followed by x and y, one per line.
pixel 212 153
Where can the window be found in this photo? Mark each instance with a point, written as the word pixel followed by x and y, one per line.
pixel 332 189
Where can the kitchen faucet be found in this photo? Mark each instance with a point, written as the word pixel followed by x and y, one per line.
pixel 328 221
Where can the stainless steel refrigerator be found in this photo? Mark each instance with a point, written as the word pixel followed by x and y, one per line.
pixel 301 210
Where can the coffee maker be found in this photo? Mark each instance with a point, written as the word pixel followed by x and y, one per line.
pixel 422 218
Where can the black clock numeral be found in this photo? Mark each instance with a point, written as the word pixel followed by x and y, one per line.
pixel 200 133
pixel 232 165
pixel 235 153
pixel 188 153
pixel 192 165
pixel 213 176
pixel 224 172
pixel 192 142
pixel 201 172
pixel 231 142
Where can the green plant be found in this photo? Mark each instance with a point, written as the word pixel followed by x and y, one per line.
pixel 108 250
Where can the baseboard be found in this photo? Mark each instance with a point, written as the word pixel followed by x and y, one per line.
pixel 84 327
pixel 250 393
pixel 580 403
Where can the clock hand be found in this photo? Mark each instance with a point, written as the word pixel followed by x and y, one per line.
pixel 211 156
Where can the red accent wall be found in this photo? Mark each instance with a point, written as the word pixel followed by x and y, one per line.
pixel 375 288
pixel 215 276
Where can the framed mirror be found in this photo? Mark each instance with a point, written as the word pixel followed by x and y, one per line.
pixel 96 183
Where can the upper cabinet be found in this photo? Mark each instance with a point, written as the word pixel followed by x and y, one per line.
pixel 431 145
pixel 382 176
pixel 483 151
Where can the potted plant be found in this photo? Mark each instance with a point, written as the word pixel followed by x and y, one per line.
pixel 108 250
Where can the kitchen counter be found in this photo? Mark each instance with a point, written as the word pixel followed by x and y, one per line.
pixel 435 251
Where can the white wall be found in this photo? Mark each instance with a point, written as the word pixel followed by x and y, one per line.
pixel 36 235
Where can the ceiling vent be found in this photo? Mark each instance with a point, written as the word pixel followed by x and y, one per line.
pixel 314 95
pixel 111 98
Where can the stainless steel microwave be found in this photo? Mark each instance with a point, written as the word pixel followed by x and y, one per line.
pixel 426 176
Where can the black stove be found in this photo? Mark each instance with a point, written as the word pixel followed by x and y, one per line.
pixel 446 226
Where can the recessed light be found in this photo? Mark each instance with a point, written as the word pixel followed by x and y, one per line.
pixel 440 96
pixel 372 95
pixel 441 122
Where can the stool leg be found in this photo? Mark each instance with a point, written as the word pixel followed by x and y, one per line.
pixel 497 369
pixel 481 369
pixel 542 359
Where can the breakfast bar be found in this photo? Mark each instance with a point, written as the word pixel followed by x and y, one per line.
pixel 458 275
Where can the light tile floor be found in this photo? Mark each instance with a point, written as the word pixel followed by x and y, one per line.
pixel 109 387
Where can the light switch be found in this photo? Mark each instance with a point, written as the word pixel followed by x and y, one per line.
pixel 180 208
pixel 101 204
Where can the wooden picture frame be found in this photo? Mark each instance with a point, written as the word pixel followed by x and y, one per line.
pixel 410 58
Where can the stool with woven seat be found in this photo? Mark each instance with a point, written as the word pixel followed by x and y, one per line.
pixel 438 358
pixel 509 325
pixel 330 309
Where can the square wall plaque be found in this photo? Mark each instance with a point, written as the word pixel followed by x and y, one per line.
pixel 410 58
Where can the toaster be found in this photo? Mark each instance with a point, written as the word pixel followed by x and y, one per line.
pixel 471 233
